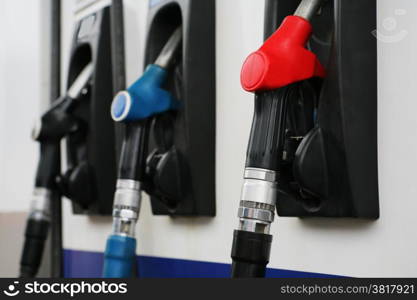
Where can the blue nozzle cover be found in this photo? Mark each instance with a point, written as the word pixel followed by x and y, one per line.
pixel 144 98
pixel 119 257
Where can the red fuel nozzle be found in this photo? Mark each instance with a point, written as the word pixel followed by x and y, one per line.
pixel 283 59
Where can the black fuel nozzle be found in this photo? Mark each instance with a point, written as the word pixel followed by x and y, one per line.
pixel 252 241
pixel 274 74
pixel 57 121
pixel 54 124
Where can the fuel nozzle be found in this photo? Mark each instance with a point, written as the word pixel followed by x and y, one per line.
pixel 49 130
pixel 284 59
pixel 146 97
pixel 135 107
pixel 273 73
pixel 57 122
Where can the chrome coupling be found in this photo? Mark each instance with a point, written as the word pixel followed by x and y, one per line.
pixel 257 206
pixel 40 207
pixel 126 207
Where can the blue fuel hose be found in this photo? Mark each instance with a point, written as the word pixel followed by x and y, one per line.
pixel 119 257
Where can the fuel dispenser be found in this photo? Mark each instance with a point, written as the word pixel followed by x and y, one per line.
pixel 169 116
pixel 81 122
pixel 181 161
pixel 313 145
pixel 91 153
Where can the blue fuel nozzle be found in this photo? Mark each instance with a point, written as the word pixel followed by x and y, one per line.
pixel 144 98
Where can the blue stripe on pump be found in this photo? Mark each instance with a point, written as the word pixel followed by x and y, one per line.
pixel 83 264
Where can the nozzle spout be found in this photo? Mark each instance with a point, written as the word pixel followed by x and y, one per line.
pixel 167 54
pixel 308 8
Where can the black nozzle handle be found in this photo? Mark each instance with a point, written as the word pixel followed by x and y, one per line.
pixel 35 236
pixel 49 166
pixel 132 164
pixel 267 136
pixel 250 254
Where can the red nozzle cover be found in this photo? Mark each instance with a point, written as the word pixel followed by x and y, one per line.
pixel 283 58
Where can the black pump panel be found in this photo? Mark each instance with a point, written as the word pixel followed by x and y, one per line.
pixel 334 171
pixel 91 158
pixel 181 164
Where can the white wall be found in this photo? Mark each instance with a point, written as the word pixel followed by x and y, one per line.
pixel 23 94
pixel 23 87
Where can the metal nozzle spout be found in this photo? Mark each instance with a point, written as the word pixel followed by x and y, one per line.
pixel 81 81
pixel 171 47
pixel 308 8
